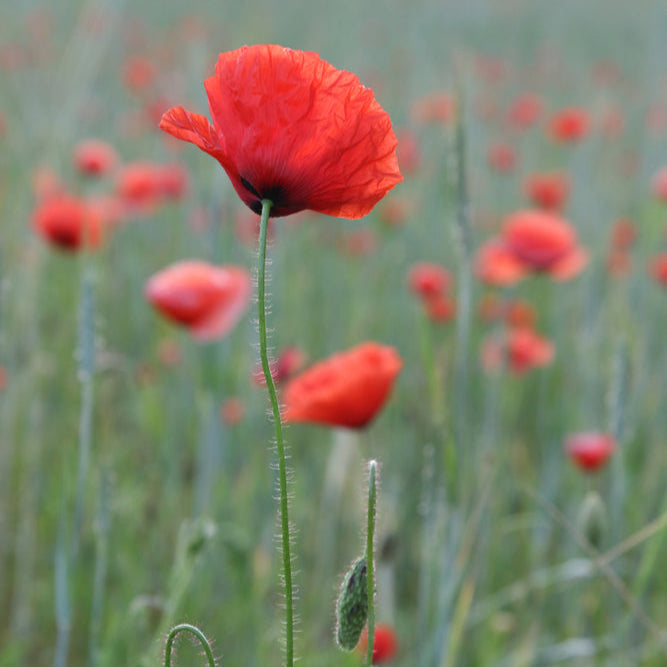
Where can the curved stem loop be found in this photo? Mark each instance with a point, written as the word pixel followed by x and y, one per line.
pixel 192 629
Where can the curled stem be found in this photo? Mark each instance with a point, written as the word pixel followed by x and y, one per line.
pixel 186 627
pixel 280 445
pixel 370 571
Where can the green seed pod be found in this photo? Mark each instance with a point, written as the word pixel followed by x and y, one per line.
pixel 592 519
pixel 352 606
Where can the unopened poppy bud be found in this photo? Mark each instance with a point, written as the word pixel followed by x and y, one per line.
pixel 592 519
pixel 352 606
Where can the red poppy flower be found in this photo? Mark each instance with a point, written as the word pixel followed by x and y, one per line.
pixel 68 222
pixel 590 450
pixel 139 186
pixel 569 125
pixel 409 153
pixel 440 308
pixel 232 411
pixel 525 110
pixel 208 300
pixel 548 190
pixel 291 128
pixel 501 157
pixel 346 390
pixel 385 643
pixel 659 185
pixel 93 157
pixel 435 108
pixel 520 314
pixel 658 269
pixel 523 348
pixel 497 265
pixel 173 180
pixel 427 280
pixel 543 241
pixel 623 234
pixel 138 73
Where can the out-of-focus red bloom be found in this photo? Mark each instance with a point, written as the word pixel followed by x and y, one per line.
pixel 623 234
pixel 525 110
pixel 385 643
pixel 548 190
pixel 569 125
pixel 288 362
pixel 359 242
pixel 139 186
pixel 67 222
pixel 291 128
pixel 658 269
pixel 543 241
pixel 138 73
pixel 94 157
pixel 173 180
pixel 435 108
pixel 590 450
pixel 208 300
pixel 497 265
pixel 409 153
pixel 501 157
pixel 520 314
pixel 659 185
pixel 347 390
pixel 426 279
pixel 3 378
pixel 232 411
pixel 440 308
pixel 521 347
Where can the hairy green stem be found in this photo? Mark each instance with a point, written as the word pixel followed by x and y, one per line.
pixel 186 627
pixel 370 571
pixel 280 446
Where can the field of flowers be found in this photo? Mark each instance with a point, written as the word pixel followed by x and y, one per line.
pixel 341 359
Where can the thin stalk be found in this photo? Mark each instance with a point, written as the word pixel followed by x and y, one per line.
pixel 370 570
pixel 280 446
pixel 186 627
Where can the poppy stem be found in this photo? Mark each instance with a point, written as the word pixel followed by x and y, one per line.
pixel 370 572
pixel 280 446
pixel 194 630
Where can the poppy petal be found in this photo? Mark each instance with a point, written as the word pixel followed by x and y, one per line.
pixel 195 128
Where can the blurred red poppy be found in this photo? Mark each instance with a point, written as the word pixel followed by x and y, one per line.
pixel 139 187
pixel 291 128
pixel 68 222
pixel 232 411
pixel 569 125
pixel 525 110
pixel 520 314
pixel 93 157
pixel 435 108
pixel 623 234
pixel 347 390
pixel 173 180
pixel 658 269
pixel 385 643
pixel 440 308
pixel 497 265
pixel 426 279
pixel 548 190
pixel 543 241
pixel 523 349
pixel 138 73
pixel 618 262
pixel 659 185
pixel 501 157
pixel 209 300
pixel 409 153
pixel 590 450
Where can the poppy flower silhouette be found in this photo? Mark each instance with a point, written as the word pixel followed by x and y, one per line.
pixel 290 128
pixel 348 389
pixel 590 450
pixel 208 300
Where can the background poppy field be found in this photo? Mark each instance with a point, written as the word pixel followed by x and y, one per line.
pixel 137 487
